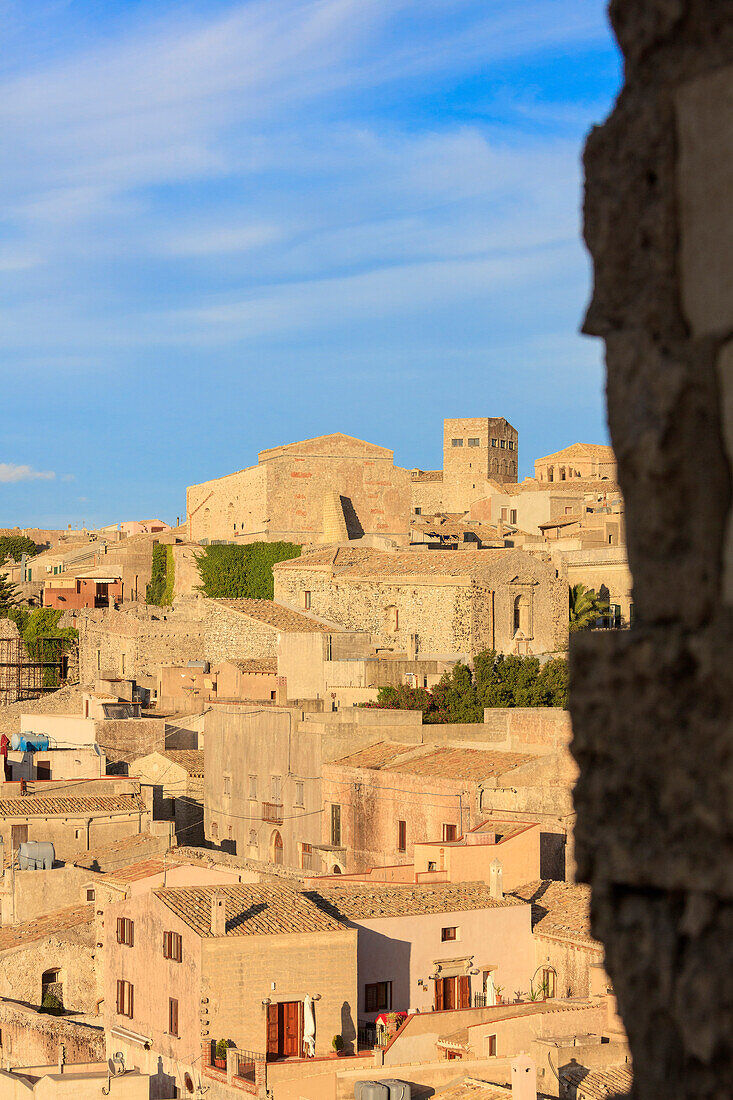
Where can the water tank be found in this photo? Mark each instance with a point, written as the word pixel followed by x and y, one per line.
pixel 371 1090
pixel 398 1090
pixel 36 855
pixel 29 742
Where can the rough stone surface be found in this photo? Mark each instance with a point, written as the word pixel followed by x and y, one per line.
pixel 654 833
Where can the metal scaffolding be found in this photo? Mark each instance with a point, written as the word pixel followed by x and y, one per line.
pixel 26 677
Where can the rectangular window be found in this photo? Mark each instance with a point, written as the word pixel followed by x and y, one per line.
pixel 299 792
pixel 494 442
pixel 253 786
pixel 125 999
pixel 336 826
pixel 173 946
pixel 456 442
pixel 99 660
pixel 503 513
pixel 418 511
pixel 307 601
pixel 378 997
pixel 306 856
pixel 91 895
pixel 491 1046
pixel 276 789
pixel 510 444
pixel 401 836
pixel 474 442
pixel 549 982
pixel 125 931
pixel 513 515
pixel 502 444
pixel 449 833
pixel 173 1016
pixel 448 934
pixel 227 782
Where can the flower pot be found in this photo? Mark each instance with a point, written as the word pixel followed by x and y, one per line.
pixel 220 1063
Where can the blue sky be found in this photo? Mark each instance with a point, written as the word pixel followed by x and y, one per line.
pixel 225 226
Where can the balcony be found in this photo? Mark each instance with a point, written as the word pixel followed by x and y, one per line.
pixel 272 812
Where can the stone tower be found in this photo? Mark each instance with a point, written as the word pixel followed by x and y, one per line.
pixel 475 450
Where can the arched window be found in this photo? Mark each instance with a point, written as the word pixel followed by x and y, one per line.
pixel 521 615
pixel 392 619
pixel 276 847
pixel 336 869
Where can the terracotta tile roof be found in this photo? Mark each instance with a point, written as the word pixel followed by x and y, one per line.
pixel 598 1084
pixel 191 760
pixel 256 664
pixel 136 872
pixel 36 805
pixel 479 566
pixel 251 910
pixel 278 617
pixel 123 853
pixel 361 902
pixel 17 935
pixel 597 452
pixel 472 764
pixel 375 756
pixel 559 909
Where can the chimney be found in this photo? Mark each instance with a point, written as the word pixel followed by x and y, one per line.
pixel 218 914
pixel 524 1078
pixel 496 887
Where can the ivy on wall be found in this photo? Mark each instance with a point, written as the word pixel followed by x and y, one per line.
pixel 242 572
pixel 160 589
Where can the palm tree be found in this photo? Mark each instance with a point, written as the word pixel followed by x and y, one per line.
pixel 586 607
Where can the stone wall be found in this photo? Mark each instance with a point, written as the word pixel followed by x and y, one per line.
pixel 33 1039
pixel 73 952
pixel 426 492
pixel 655 825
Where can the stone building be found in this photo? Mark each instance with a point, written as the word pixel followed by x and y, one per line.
pixel 329 489
pixel 580 461
pixel 433 603
pixel 55 954
pixel 476 451
pixel 176 780
pixel 225 962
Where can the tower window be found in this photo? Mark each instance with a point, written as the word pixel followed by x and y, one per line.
pixel 456 443
pixel 474 442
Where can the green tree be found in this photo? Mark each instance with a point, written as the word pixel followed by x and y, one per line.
pixel 14 546
pixel 160 589
pixel 38 628
pixel 585 607
pixel 9 595
pixel 551 686
pixel 403 697
pixel 455 698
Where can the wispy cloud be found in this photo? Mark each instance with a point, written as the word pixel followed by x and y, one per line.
pixel 11 472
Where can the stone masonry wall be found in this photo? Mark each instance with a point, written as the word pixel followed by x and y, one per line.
pixel 655 813
pixel 31 1039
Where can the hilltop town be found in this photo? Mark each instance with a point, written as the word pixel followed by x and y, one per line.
pixel 287 804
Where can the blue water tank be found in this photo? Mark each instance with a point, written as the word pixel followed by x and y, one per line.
pixel 29 742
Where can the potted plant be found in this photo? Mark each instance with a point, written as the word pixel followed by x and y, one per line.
pixel 220 1054
pixel 338 1044
pixel 499 990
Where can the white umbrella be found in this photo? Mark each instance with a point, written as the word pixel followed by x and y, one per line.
pixel 490 990
pixel 309 1026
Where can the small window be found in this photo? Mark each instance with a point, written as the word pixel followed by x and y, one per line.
pixel 306 856
pixel 336 826
pixel 299 792
pixel 418 511
pixel 227 784
pixel 173 946
pixel 513 515
pixel 449 833
pixel 99 657
pixel 401 836
pixel 494 442
pixel 125 999
pixel 276 789
pixel 253 786
pixel 502 444
pixel 378 997
pixel 307 600
pixel 173 1016
pixel 549 982
pixel 490 1046
pixel 125 931
pixel 448 934
pixel 432 865
pixel 474 442
pixel 456 443
pixel 91 895
pixel 510 444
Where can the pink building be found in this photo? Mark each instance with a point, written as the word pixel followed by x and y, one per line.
pixel 74 593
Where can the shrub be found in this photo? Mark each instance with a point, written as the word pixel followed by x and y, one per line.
pixel 242 572
pixel 337 1043
pixel 52 1005
pixel 222 1046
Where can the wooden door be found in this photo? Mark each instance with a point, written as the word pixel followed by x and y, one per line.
pixel 464 991
pixel 18 836
pixel 272 1031
pixel 445 993
pixel 291 1029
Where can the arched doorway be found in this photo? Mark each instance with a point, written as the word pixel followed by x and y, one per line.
pixel 336 869
pixel 52 983
pixel 276 847
pixel 521 615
